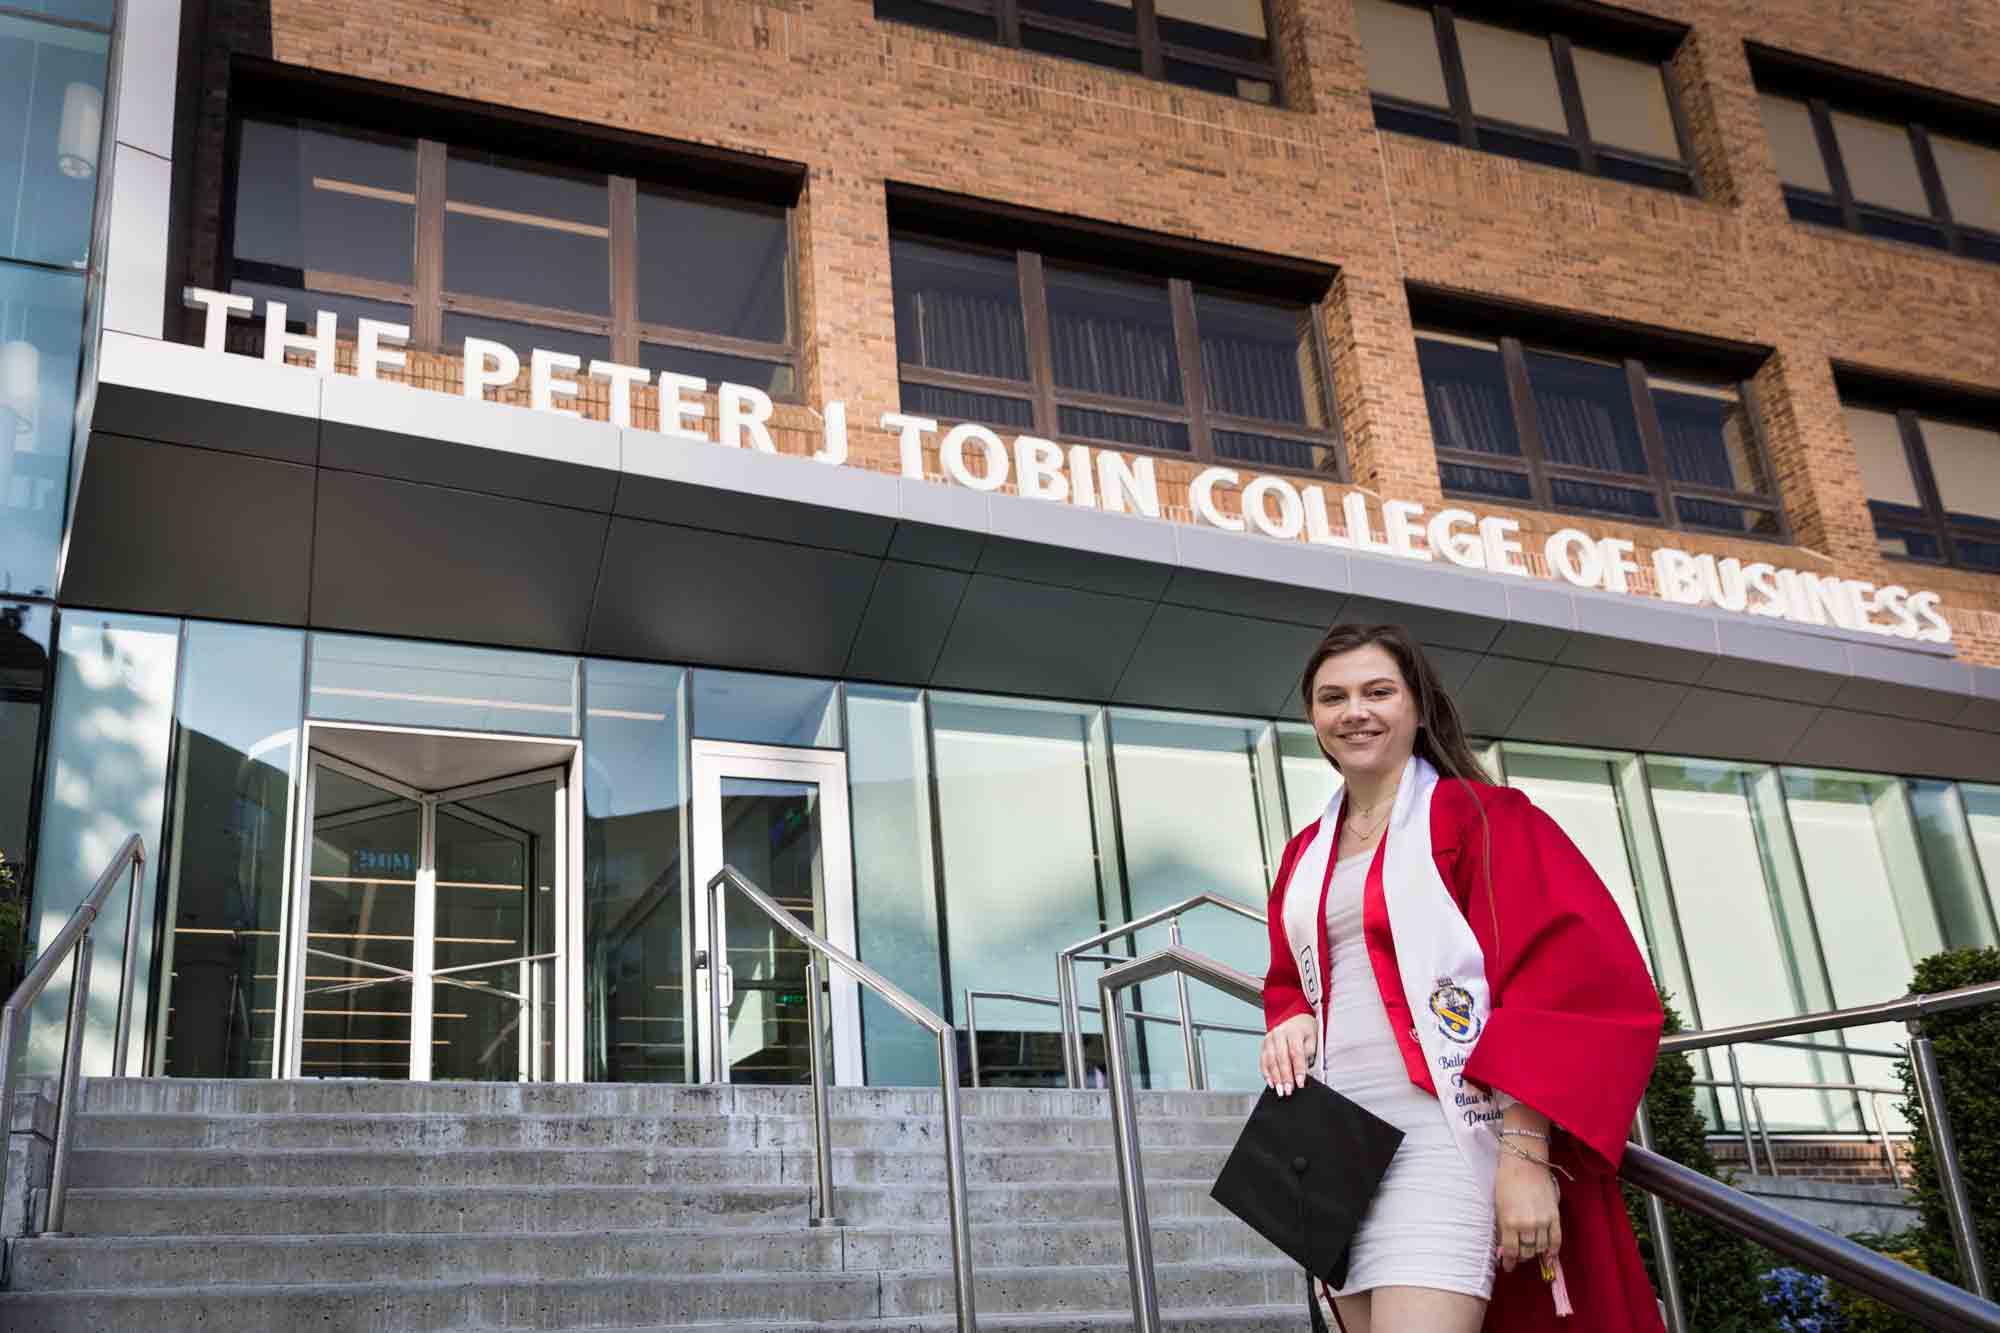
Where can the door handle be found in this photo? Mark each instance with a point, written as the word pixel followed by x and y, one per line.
pixel 728 975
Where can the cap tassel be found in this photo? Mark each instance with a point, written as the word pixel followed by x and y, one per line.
pixel 1552 1272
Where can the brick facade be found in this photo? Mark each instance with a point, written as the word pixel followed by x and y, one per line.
pixel 862 103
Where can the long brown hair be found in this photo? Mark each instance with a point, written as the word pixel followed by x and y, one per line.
pixel 1440 734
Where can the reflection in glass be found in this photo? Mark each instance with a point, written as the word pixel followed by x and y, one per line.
pixel 1707 435
pixel 1257 359
pixel 1577 790
pixel 1794 145
pixel 1115 15
pixel 1965 460
pixel 1401 45
pixel 1011 902
pixel 409 683
pixel 1951 861
pixel 1053 43
pixel 1625 103
pixel 527 232
pixel 635 866
pixel 895 878
pixel 958 310
pixel 105 780
pixel 1971 175
pixel 24 672
pixel 235 744
pixel 771 831
pixel 315 198
pixel 1112 335
pixel 52 105
pixel 771 710
pixel 933 15
pixel 989 409
pixel 713 266
pixel 775 378
pixel 41 332
pixel 1885 464
pixel 1585 412
pixel 1881 163
pixel 360 928
pixel 1511 76
pixel 1982 817
pixel 1232 28
pixel 1089 423
pixel 1310 780
pixel 1465 388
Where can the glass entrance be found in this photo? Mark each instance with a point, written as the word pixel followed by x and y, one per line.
pixel 780 817
pixel 428 932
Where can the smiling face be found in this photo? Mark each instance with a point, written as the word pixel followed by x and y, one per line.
pixel 1365 713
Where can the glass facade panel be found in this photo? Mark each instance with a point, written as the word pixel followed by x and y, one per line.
pixel 24 673
pixel 1257 360
pixel 1794 145
pixel 1191 811
pixel 925 400
pixel 1226 27
pixel 895 876
pixel 527 232
pixel 1881 163
pixel 1982 817
pixel 1465 388
pixel 635 867
pixel 958 310
pixel 931 15
pixel 1401 46
pixel 1707 434
pixel 768 710
pixel 1971 174
pixel 776 378
pixel 1112 335
pixel 1965 460
pixel 1885 464
pixel 1952 863
pixel 1050 42
pixel 1310 781
pixel 52 105
pixel 106 780
pixel 1511 76
pixel 323 200
pixel 236 733
pixel 1578 792
pixel 1586 415
pixel 1089 423
pixel 1625 103
pixel 713 266
pixel 41 332
pixel 1733 920
pixel 408 683
pixel 1011 902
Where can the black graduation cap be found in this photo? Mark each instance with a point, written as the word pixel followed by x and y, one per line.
pixel 1303 1173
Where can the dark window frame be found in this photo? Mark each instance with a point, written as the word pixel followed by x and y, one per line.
pixel 1908 403
pixel 435 126
pixel 1459 123
pixel 1182 275
pixel 1825 89
pixel 1011 18
pixel 1640 353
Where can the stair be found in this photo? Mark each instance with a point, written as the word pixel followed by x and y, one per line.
pixel 245 1207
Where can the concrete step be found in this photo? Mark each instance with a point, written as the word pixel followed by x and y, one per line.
pixel 369 1097
pixel 81 1263
pixel 217 1168
pixel 628 1301
pixel 410 1130
pixel 551 1208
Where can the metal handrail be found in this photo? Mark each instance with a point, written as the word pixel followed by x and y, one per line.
pixel 947 1042
pixel 1937 1303
pixel 1911 1010
pixel 1876 1093
pixel 74 939
pixel 1197 1073
pixel 1081 951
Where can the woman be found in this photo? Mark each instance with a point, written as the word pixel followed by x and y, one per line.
pixel 1442 954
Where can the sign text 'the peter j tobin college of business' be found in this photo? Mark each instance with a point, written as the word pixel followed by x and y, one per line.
pixel 1287 508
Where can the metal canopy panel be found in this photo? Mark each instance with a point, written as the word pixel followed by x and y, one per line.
pixel 430 762
pixel 736 557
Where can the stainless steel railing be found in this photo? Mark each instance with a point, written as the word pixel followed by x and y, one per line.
pixel 1937 1304
pixel 73 940
pixel 1197 1068
pixel 1874 1092
pixel 1083 952
pixel 819 948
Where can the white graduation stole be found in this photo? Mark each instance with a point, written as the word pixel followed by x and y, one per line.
pixel 1443 969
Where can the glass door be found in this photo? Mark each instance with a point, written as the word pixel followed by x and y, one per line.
pixel 780 817
pixel 428 935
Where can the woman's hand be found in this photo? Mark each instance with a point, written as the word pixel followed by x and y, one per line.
pixel 1524 1207
pixel 1288 1052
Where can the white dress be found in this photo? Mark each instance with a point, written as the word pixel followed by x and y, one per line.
pixel 1431 1224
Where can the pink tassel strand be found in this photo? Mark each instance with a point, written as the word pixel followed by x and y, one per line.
pixel 1561 1290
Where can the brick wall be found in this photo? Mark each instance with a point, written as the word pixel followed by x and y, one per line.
pixel 862 103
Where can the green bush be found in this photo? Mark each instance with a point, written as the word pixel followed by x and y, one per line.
pixel 1967 1044
pixel 1859 1314
pixel 12 913
pixel 1720 1272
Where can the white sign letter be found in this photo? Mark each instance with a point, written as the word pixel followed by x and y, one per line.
pixel 1934 627
pixel 1082 480
pixel 1503 553
pixel 218 307
pixel 319 342
pixel 543 384
pixel 370 356
pixel 1574 557
pixel 1291 519
pixel 834 450
pixel 1355 505
pixel 1618 564
pixel 739 408
pixel 911 444
pixel 1201 494
pixel 1678 576
pixel 1318 529
pixel 1038 468
pixel 1449 538
pixel 622 379
pixel 675 410
pixel 952 454
pixel 1399 522
pixel 506 367
pixel 1125 479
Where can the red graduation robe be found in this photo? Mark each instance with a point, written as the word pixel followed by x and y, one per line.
pixel 1574 1030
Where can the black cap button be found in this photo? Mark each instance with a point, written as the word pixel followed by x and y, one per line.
pixel 1299 1165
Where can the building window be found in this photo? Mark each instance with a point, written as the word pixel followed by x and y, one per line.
pixel 1122 358
pixel 1933 481
pixel 457 241
pixel 1883 160
pixel 1604 106
pixel 1222 46
pixel 1530 422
